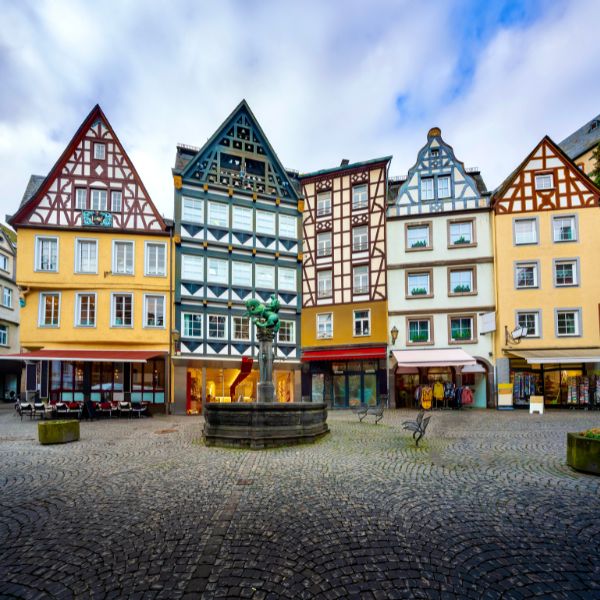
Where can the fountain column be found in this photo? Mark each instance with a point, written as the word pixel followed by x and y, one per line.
pixel 266 389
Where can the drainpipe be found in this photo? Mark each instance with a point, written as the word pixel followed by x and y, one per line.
pixel 169 356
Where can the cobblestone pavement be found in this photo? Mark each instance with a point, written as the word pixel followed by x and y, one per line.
pixel 486 508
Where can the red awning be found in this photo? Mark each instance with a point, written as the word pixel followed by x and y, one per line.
pixel 137 356
pixel 345 354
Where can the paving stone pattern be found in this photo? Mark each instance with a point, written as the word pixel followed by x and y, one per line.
pixel 486 508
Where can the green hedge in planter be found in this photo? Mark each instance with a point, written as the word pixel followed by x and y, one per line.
pixel 58 432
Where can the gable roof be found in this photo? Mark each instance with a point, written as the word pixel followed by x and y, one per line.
pixel 33 185
pixel 10 235
pixel 582 140
pixel 345 167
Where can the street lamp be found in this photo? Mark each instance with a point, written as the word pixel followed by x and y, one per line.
pixel 394 334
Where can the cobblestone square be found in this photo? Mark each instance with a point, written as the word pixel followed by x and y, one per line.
pixel 486 508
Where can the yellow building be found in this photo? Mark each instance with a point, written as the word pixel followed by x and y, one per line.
pixel 93 269
pixel 547 285
pixel 580 145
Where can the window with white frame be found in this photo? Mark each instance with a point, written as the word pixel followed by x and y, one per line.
pixel 3 262
pixel 116 201
pixel 3 335
pixel 324 284
pixel 360 197
pixel 545 181
pixel 360 238
pixel 7 296
pixel 287 279
pixel 567 322
pixel 362 322
pixel 122 310
pixel 526 275
pixel 123 262
pixel 265 277
pixel 192 267
pixel 288 226
pixel 417 236
pixel 530 321
pixel 49 310
pixel 192 210
pixel 98 200
pixel 156 259
pixel 265 222
pixel 427 188
pixel 218 214
pixel 154 311
pixel 419 284
pixel 287 332
pixel 241 328
pixel 217 327
pixel 360 279
pixel 323 204
pixel 525 231
pixel 419 331
pixel 86 310
pixel 461 329
pixel 443 185
pixel 47 254
pixel 86 256
pixel 564 229
pixel 242 218
pixel 324 326
pixel 461 233
pixel 217 270
pixel 99 151
pixel 461 281
pixel 565 273
pixel 241 273
pixel 81 198
pixel 324 243
pixel 192 325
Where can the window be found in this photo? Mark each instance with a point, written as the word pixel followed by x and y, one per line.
pixel 86 310
pixel 3 262
pixel 418 284
pixel 86 256
pixel 217 270
pixel 544 182
pixel 98 200
pixel 460 233
pixel 218 214
pixel 288 226
pixel 217 327
pixel 154 311
pixel 99 151
pixel 324 243
pixel 360 197
pixel 565 273
pixel 324 326
pixel 435 152
pixel 568 322
pixel 529 321
pixel 156 259
pixel 564 229
pixel 122 310
pixel 241 274
pixel 46 254
pixel 287 332
pixel 525 231
pixel 242 218
pixel 265 222
pixel 419 331
pixel 192 267
pixel 123 258
pixel 192 325
pixel 360 279
pixel 461 281
pixel 461 329
pixel 7 295
pixel 526 275
pixel 443 187
pixel 265 276
pixel 81 199
pixel 49 310
pixel 362 322
pixel 116 201
pixel 241 328
pixel 360 239
pixel 427 188
pixel 3 335
pixel 324 284
pixel 192 210
pixel 287 279
pixel 417 237
pixel 323 204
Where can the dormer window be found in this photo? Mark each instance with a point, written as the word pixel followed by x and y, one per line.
pixel 435 152
pixel 99 151
pixel 594 125
pixel 544 181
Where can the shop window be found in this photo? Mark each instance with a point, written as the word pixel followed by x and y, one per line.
pixel 419 331
pixel 526 275
pixel 265 277
pixel 324 284
pixel 427 188
pixel 218 214
pixel 241 328
pixel 192 325
pixel 287 332
pixel 360 279
pixel 148 381
pixel 362 322
pixel 122 310
pixel 86 310
pixel 461 329
pixel 418 284
pixel 566 273
pixel 192 210
pixel 324 243
pixel 460 233
pixel 123 263
pixel 46 258
pixel 49 310
pixel 192 267
pixel 360 239
pixel 288 226
pixel 418 237
pixel 217 327
pixel 323 204
pixel 86 256
pixel 443 187
pixel 564 229
pixel 156 259
pixel 525 231
pixel 360 197
pixel 529 321
pixel 568 322
pixel 324 326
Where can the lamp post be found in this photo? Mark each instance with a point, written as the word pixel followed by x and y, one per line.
pixel 394 334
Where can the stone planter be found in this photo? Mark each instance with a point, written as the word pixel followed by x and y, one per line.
pixel 58 432
pixel 583 453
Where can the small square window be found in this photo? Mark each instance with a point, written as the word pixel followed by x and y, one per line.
pixel 544 181
pixel 192 267
pixel 99 151
pixel 567 323
pixel 325 326
pixel 192 325
pixel 241 273
pixel 265 277
pixel 287 279
pixel 461 329
pixel 242 218
pixel 461 233
pixel 419 331
pixel 362 322
pixel 241 329
pixel 526 275
pixel 217 270
pixel 217 327
pixel 565 273
pixel 525 231
pixel 564 229
pixel 265 222
pixel 418 284
pixel 192 210
pixel 461 281
pixel 218 214
pixel 288 226
pixel 287 332
pixel 417 237
pixel 530 321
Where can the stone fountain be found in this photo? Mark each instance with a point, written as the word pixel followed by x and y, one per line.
pixel 265 423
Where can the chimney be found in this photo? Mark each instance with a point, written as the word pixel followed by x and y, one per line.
pixel 345 162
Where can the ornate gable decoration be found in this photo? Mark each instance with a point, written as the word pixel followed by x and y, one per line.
pixel 239 156
pixel 546 180
pixel 93 184
pixel 437 182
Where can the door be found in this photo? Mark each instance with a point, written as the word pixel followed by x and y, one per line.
pixel 339 391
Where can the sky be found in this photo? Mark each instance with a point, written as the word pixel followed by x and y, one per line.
pixel 327 79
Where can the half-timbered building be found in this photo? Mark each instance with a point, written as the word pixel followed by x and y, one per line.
pixel 93 269
pixel 344 286
pixel 237 224
pixel 548 290
pixel 440 276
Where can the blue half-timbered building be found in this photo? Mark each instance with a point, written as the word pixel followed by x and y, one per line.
pixel 238 217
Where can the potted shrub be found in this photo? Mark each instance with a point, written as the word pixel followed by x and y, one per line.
pixel 583 451
pixel 419 244
pixel 418 292
pixel 462 240
pixel 461 289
